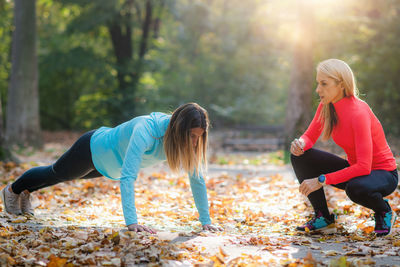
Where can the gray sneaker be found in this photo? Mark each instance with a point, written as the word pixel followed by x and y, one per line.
pixel 10 201
pixel 25 203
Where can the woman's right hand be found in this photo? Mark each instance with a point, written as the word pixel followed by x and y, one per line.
pixel 297 147
pixel 140 228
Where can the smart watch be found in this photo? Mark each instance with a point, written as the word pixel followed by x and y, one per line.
pixel 322 179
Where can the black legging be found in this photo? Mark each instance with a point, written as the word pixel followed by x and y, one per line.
pixel 74 164
pixel 367 190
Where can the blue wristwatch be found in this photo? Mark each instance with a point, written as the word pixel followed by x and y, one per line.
pixel 322 179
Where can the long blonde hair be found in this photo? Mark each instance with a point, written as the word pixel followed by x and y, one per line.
pixel 178 145
pixel 339 71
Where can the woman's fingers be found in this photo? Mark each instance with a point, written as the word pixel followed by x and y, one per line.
pixel 149 230
pixel 304 188
pixel 301 187
pixel 308 186
pixel 296 151
pixel 305 191
pixel 302 143
pixel 296 147
pixel 141 228
pixel 212 228
pixel 299 145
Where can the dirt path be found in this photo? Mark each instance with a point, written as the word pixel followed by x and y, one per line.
pixel 255 201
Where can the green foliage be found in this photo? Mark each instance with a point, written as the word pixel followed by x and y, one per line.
pixel 91 111
pixel 3 153
pixel 378 70
pixel 367 40
pixel 73 68
pixel 61 102
pixel 6 26
pixel 233 57
pixel 217 56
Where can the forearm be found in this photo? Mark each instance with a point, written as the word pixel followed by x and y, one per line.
pixel 313 131
pixel 199 192
pixel 348 173
pixel 127 187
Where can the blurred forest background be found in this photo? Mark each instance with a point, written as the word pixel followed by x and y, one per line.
pixel 84 64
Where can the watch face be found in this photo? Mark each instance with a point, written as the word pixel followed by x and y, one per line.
pixel 321 178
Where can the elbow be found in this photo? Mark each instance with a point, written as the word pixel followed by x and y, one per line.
pixel 365 169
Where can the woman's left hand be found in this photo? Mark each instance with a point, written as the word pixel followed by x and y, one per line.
pixel 211 228
pixel 308 186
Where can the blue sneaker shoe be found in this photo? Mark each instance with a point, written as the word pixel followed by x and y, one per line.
pixel 384 221
pixel 319 224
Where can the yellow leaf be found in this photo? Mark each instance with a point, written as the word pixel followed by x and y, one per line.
pixel 5 258
pixel 368 229
pixel 81 218
pixel 88 185
pixel 309 258
pixel 10 165
pixel 331 253
pixel 68 212
pixel 222 252
pixel 20 219
pixel 356 237
pixel 56 261
pixel 396 243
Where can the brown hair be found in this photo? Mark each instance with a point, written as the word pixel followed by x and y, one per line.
pixel 178 146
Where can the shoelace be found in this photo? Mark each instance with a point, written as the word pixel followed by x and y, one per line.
pixel 312 221
pixel 386 222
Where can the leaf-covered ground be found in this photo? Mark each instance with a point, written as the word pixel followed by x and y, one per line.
pixel 253 197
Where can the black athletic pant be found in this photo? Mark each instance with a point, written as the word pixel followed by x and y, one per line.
pixel 74 164
pixel 367 190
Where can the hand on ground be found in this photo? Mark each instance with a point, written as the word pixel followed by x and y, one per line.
pixel 212 228
pixel 140 228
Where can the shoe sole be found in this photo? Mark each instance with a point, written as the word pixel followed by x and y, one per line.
pixel 328 230
pixel 394 217
pixel 28 213
pixel 3 197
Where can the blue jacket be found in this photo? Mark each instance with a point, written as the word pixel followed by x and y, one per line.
pixel 118 153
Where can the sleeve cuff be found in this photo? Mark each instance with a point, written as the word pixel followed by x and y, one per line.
pixel 307 142
pixel 328 179
pixel 204 222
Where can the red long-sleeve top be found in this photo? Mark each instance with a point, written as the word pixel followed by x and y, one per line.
pixel 361 136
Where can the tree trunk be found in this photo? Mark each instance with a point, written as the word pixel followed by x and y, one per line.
pixel 129 66
pixel 298 114
pixel 157 20
pixel 146 29
pixel 4 151
pixel 121 37
pixel 22 125
pixel 2 154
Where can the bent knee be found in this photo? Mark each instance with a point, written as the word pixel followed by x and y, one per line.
pixel 356 190
pixel 294 158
